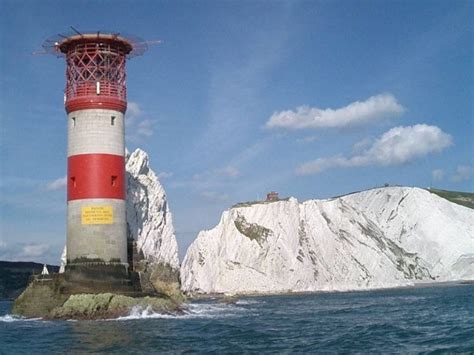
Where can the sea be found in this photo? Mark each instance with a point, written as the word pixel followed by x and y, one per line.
pixel 429 319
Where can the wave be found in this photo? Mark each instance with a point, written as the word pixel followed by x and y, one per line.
pixel 247 302
pixel 192 310
pixel 9 318
pixel 138 312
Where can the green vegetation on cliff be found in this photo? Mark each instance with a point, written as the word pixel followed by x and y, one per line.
pixel 461 198
pixel 252 231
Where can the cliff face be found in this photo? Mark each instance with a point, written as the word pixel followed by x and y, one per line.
pixel 378 238
pixel 149 219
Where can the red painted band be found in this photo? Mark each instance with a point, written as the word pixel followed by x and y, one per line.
pixel 95 176
pixel 96 101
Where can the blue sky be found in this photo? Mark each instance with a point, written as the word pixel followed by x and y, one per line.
pixel 309 98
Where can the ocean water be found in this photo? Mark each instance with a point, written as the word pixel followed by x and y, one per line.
pixel 422 319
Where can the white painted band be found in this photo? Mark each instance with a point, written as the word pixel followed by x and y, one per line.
pixel 96 131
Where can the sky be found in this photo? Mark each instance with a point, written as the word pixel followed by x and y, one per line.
pixel 308 98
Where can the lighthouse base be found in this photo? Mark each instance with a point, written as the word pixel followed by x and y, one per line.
pixel 80 290
pixel 99 278
pixel 55 298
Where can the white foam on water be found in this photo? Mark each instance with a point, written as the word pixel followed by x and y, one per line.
pixel 247 302
pixel 193 310
pixel 138 312
pixel 9 318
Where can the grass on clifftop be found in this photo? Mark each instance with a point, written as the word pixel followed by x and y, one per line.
pixel 461 198
pixel 261 202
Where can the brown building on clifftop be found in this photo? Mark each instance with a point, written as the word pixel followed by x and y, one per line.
pixel 272 196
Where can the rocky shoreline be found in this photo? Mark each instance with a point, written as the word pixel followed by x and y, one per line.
pixel 56 298
pixel 53 306
pixel 109 306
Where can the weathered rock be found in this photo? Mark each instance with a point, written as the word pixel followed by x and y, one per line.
pixel 48 300
pixel 165 279
pixel 108 305
pixel 58 298
pixel 82 306
pixel 40 298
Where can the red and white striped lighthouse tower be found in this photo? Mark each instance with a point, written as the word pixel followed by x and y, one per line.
pixel 95 101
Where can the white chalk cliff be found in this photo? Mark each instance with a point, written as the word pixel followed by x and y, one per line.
pixel 383 237
pixel 149 220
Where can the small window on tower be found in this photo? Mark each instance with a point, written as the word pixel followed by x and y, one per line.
pixel 73 121
pixel 112 120
pixel 73 181
pixel 113 180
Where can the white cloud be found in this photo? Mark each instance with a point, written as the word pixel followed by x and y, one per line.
pixel 137 126
pixel 33 250
pixel 145 128
pixel 229 171
pixel 57 184
pixel 164 175
pixel 357 113
pixel 361 145
pixel 397 146
pixel 437 174
pixel 133 110
pixel 463 173
pixel 30 251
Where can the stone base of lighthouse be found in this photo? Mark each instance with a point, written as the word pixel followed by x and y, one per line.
pixel 97 246
pixel 91 240
pixel 101 278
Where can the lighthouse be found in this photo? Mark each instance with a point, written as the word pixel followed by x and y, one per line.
pixel 95 100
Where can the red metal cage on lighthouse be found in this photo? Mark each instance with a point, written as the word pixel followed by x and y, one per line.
pixel 95 72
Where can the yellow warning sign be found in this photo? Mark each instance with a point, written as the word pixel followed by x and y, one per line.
pixel 97 215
